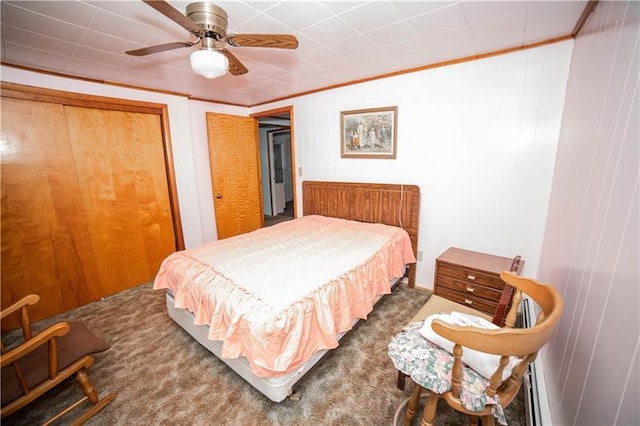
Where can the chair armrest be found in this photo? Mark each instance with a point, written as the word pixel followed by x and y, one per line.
pixel 56 330
pixel 31 299
pixel 21 306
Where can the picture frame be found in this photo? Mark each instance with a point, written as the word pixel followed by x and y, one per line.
pixel 369 133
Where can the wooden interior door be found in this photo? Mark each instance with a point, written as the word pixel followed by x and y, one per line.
pixel 85 203
pixel 235 173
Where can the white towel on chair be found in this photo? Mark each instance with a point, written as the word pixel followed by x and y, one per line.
pixel 483 363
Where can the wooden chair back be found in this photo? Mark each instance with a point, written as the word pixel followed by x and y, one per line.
pixel 523 343
pixel 506 298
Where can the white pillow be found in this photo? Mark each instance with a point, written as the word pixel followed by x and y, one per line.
pixel 483 363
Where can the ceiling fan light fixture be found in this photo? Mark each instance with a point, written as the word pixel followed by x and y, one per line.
pixel 209 63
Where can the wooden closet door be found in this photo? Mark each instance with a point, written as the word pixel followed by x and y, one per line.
pixel 46 247
pixel 85 209
pixel 123 186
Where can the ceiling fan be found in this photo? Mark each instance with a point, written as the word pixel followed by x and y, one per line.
pixel 208 23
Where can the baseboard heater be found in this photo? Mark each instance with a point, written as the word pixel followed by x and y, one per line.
pixel 536 400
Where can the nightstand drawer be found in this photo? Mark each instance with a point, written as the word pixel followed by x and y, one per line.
pixel 471 276
pixel 474 302
pixel 469 288
pixel 473 280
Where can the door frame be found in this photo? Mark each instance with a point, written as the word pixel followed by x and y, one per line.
pixel 287 109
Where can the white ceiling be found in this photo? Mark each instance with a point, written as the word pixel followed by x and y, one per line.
pixel 339 41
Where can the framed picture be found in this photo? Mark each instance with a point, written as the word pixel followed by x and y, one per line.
pixel 368 133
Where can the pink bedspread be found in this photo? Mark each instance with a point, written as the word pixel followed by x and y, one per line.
pixel 279 294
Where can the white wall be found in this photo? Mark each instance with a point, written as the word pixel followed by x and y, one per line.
pixel 479 138
pixel 591 249
pixel 188 139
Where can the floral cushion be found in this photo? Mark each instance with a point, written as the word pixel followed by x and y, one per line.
pixel 430 366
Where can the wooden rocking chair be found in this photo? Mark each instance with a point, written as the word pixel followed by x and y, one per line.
pixel 43 361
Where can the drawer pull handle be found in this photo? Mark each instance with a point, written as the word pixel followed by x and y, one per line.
pixel 471 277
pixel 471 289
pixel 468 302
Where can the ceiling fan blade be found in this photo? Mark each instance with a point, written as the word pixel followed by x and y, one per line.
pixel 159 48
pixel 235 66
pixel 281 41
pixel 170 12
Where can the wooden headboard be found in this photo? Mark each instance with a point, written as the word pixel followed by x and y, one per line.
pixel 391 204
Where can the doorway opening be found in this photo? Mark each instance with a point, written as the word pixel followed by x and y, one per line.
pixel 276 159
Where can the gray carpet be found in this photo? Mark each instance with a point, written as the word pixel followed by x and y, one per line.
pixel 163 376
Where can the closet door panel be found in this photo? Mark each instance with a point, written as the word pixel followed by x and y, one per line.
pixel 85 203
pixel 120 161
pixel 45 241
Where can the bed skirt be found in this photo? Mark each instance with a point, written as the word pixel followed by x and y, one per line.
pixel 276 389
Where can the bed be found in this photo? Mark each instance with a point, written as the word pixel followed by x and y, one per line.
pixel 271 303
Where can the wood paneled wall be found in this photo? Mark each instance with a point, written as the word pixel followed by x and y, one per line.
pixel 591 249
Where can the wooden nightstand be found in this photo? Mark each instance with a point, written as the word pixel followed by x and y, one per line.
pixel 473 279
